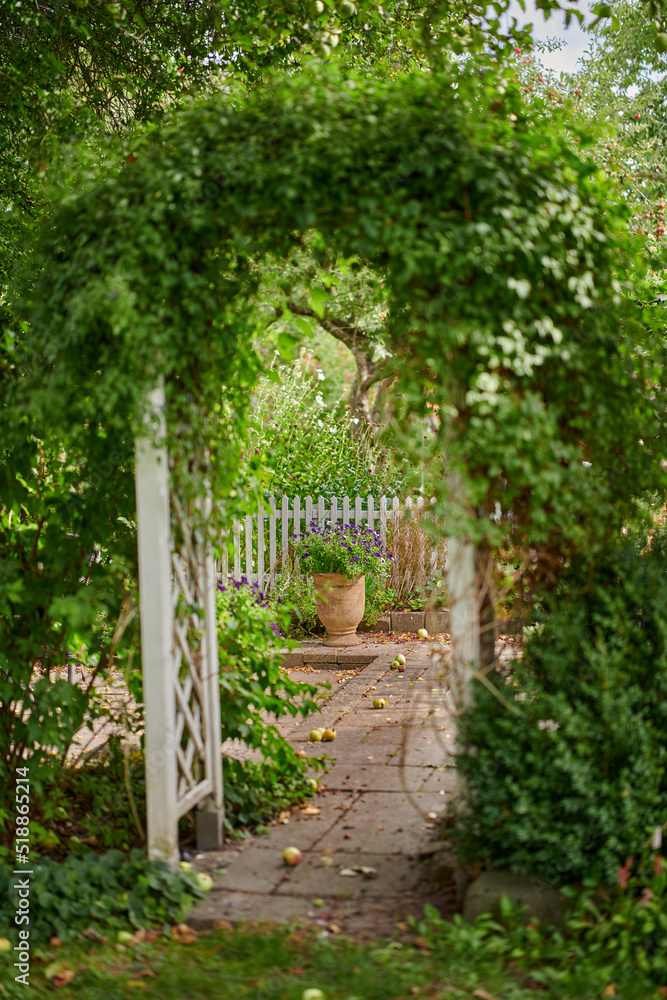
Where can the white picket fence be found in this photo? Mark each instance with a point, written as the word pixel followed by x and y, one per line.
pixel 261 543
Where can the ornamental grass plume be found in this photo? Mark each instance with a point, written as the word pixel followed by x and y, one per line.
pixel 350 549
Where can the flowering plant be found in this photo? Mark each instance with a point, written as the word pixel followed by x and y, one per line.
pixel 349 549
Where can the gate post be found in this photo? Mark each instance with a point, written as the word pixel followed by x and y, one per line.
pixel 157 629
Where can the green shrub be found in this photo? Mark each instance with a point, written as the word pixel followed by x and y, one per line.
pixel 253 685
pixel 103 892
pixel 567 768
pixel 308 449
pixel 379 598
pixel 296 594
pixel 255 793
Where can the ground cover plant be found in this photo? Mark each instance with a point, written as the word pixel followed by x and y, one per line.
pixel 99 892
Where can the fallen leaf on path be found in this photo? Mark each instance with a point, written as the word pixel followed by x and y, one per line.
pixel 310 811
pixel 222 925
pixel 350 872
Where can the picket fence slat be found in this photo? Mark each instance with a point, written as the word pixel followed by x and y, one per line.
pixel 284 529
pixel 272 543
pixel 262 541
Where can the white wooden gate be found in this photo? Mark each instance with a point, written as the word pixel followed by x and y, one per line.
pixel 179 656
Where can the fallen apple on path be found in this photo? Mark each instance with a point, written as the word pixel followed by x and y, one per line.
pixel 400 659
pixel 205 881
pixel 422 633
pixel 328 735
pixel 316 735
pixel 379 703
pixel 292 856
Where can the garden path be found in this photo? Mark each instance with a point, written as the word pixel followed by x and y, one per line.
pixel 390 776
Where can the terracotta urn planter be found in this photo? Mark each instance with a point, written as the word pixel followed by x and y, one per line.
pixel 340 606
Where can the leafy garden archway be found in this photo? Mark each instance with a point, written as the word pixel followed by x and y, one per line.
pixel 505 262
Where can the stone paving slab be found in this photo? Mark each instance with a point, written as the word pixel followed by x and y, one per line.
pixel 321 876
pixel 260 870
pixel 374 718
pixel 392 822
pixel 316 653
pixel 242 907
pixel 375 776
pixel 302 831
pixel 440 779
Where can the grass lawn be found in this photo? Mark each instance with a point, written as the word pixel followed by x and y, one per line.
pixel 270 963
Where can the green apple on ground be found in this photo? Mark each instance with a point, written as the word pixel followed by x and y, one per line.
pixel 292 856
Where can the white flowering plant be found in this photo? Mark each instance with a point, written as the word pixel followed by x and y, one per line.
pixel 349 549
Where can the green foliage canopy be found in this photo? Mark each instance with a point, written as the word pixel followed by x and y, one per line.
pixel 504 262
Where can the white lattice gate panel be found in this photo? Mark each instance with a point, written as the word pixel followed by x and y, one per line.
pixel 195 665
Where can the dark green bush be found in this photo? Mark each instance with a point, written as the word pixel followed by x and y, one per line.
pixel 566 768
